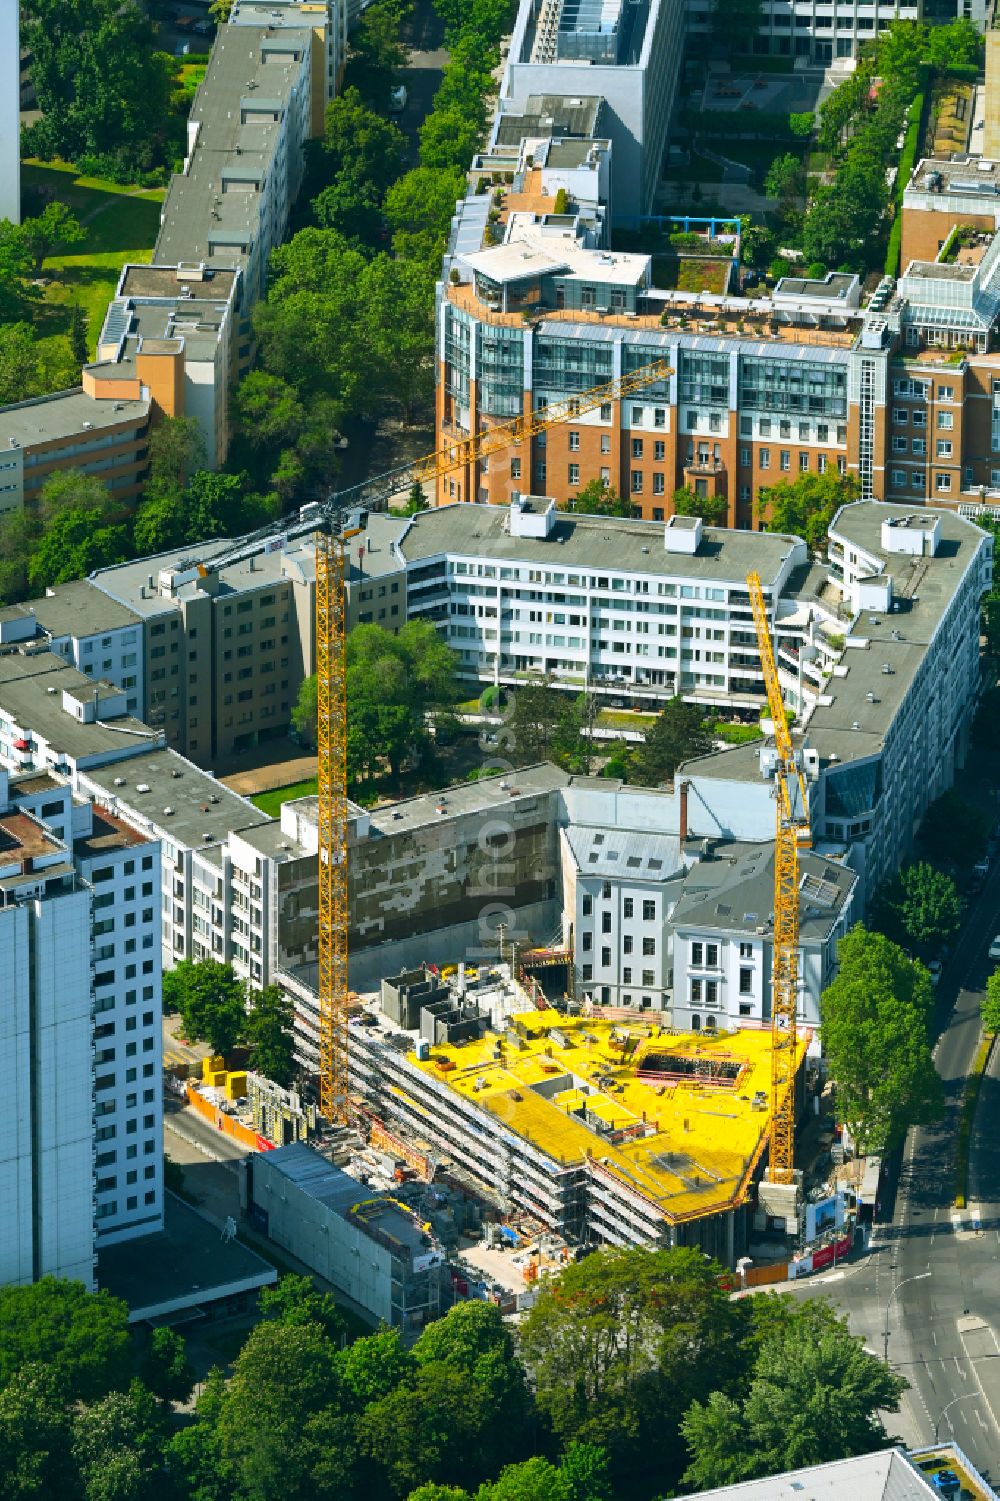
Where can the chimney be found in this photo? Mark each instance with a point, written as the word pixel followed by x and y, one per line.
pixel 683 825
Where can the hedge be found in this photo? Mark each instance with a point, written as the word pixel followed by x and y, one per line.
pixel 969 1102
pixel 907 162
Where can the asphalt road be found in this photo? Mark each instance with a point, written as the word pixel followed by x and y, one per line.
pixel 943 1328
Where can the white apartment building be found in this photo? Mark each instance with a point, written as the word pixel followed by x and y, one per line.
pixel 81 1151
pixel 89 631
pixel 814 32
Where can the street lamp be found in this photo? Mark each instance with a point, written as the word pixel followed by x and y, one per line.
pixel 918 1277
pixel 965 1397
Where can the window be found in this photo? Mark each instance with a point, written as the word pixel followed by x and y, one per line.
pixel 606 891
pixel 786 459
pixel 649 911
pixel 627 943
pixel 574 474
pixel 605 442
pixel 636 481
pixel 696 992
pixel 649 947
pixel 943 448
pixel 746 950
pixel 945 421
pixel 942 482
pixel 697 955
pixel 574 442
pixel 899 477
pixel 588 942
pixel 588 906
pixel 626 980
pixel 746 982
pixel 637 448
pixel 765 458
pixel 649 977
pixel 803 463
pixel 945 393
pixel 605 922
pixel 515 473
pixel 899 443
pixel 588 971
pixel 628 907
pixel 605 957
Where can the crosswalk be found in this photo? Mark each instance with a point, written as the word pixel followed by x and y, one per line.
pixel 171 1058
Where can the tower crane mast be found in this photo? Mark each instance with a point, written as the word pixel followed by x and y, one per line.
pixel 331 521
pixel 792 833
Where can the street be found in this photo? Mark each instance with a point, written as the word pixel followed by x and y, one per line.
pixel 942 1327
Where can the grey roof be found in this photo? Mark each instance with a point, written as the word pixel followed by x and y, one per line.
pixel 201 804
pixel 49 419
pixel 382 531
pixel 923 588
pixel 885 1476
pixel 126 581
pixel 623 854
pixel 195 214
pixel 31 692
pixel 76 609
pixel 607 544
pixel 733 891
pixel 312 1174
pixel 467 797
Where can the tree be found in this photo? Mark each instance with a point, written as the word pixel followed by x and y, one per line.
pixel 953 830
pixel 212 505
pixel 102 87
pixel 36 1461
pixel 596 498
pixel 376 53
pixel 448 138
pixel 757 246
pixel 295 1300
pixel 921 905
pixel 806 506
pixel 78 334
pixel 541 725
pixel 19 535
pixel 422 203
pixel 16 293
pixel 210 999
pixel 281 1421
pixel 20 370
pixel 55 226
pixel 989 1006
pixel 392 681
pixel 78 534
pixel 531 1480
pixel 713 509
pixel 304 711
pixel 268 409
pixel 166 1370
pixel 220 11
pixel 269 1033
pixel 118 1447
pixel 375 1365
pixel 618 1346
pixel 176 451
pixel 874 1016
pixel 784 180
pixel 80 1338
pixel 428 1428
pixel 813 1397
pixel 678 734
pixel 361 143
pixel 399 300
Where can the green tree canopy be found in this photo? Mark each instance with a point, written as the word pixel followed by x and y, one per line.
pixel 678 734
pixel 79 1338
pixel 36 1460
pixel 922 906
pixel 79 530
pixel 375 1365
pixel 875 1014
pixel 118 1447
pixel 805 507
pixel 619 1345
pixel 20 365
pixel 213 504
pixel 989 1006
pixel 54 228
pixel 102 87
pixel 294 1299
pixel 269 1033
pixel 813 1397
pixel 449 139
pixel 210 999
pixel 166 1370
pixel 361 143
pixel 421 204
pixel 785 179
pixel 281 1423
pixel 713 509
pixel 596 498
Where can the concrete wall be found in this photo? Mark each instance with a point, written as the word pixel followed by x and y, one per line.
pixel 10 112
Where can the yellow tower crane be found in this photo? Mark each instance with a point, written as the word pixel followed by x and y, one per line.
pixel 334 520
pixel 792 833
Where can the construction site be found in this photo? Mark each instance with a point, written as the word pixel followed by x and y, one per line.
pixel 594 1132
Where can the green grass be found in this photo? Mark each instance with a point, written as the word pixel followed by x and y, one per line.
pixel 270 802
pixel 621 719
pixel 736 734
pixel 121 225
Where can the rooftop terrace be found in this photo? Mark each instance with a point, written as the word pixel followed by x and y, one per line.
pixel 680 1119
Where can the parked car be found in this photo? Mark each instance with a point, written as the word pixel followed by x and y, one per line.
pixel 947 1482
pixel 397 100
pixel 935 970
pixel 995 948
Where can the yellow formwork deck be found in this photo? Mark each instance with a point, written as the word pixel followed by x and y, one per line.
pixel 686 1144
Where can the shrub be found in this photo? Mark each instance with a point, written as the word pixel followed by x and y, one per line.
pixel 816 271
pixel 893 248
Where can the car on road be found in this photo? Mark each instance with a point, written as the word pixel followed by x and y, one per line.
pixel 995 948
pixel 397 100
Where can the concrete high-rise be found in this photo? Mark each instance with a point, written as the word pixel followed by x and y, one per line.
pixel 10 111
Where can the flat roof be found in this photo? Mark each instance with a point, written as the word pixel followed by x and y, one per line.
pixel 529 251
pixel 185 1264
pixel 108 832
pixel 75 609
pixel 47 419
pixel 680 1120
pixel 37 705
pixel 211 284
pixel 127 582
pixel 201 804
pixel 974 174
pixel 604 544
pixel 886 1475
pixel 343 1195
pixel 467 797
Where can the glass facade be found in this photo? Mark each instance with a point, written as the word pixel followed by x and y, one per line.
pixel 570 365
pixel 774 385
pixel 500 370
pixel 456 357
pixel 703 378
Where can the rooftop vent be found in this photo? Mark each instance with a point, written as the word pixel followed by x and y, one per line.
pixel 142 787
pixel 119 781
pixel 855 724
pixel 175 773
pixel 168 812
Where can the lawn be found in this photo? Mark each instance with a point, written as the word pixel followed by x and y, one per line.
pixel 121 225
pixel 270 802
